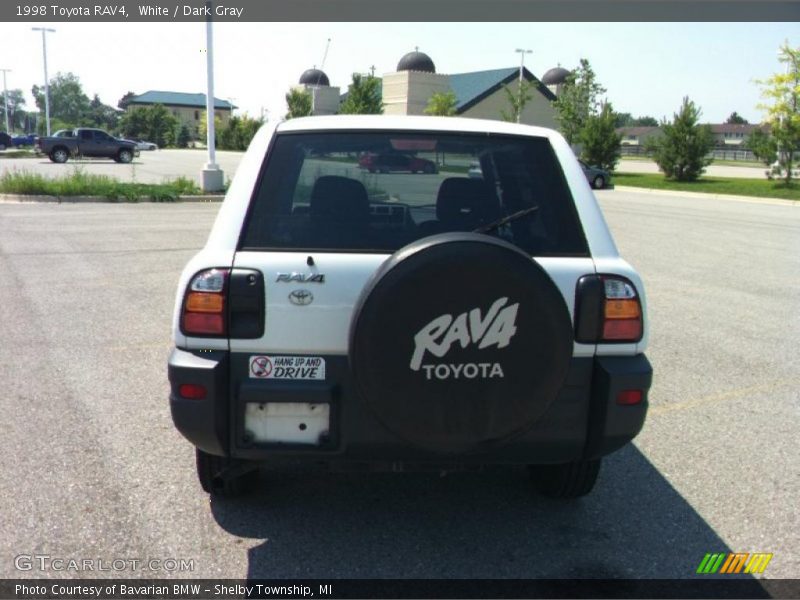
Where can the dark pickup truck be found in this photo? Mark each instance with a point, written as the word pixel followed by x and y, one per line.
pixel 87 143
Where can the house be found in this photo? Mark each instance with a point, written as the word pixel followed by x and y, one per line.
pixel 732 135
pixel 638 135
pixel 188 108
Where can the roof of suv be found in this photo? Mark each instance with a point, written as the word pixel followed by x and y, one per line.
pixel 421 123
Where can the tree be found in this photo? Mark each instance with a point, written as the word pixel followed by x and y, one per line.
pixel 764 147
pixel 68 102
pixel 782 91
pixel 16 100
pixel 645 122
pixel 735 119
pixel 600 142
pixel 627 120
pixel 623 119
pixel 183 136
pixel 442 104
pixel 363 96
pixel 299 103
pixel 577 101
pixel 153 123
pixel 238 133
pixel 123 102
pixel 202 127
pixel 682 151
pixel 101 115
pixel 517 101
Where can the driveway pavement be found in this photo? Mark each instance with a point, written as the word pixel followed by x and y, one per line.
pixel 94 468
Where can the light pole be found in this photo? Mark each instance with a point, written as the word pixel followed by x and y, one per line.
pixel 5 96
pixel 212 175
pixel 522 54
pixel 44 31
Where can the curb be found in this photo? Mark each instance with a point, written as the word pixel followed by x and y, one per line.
pixel 21 198
pixel 753 199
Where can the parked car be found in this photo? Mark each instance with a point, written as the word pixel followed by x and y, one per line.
pixel 5 140
pixel 392 162
pixel 143 145
pixel 426 322
pixel 598 178
pixel 24 140
pixel 89 143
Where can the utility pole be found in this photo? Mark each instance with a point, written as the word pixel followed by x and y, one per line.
pixel 212 175
pixel 521 67
pixel 44 31
pixel 5 96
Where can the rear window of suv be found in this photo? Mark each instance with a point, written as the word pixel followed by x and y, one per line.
pixel 379 191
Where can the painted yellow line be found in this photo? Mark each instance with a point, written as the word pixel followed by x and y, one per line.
pixel 721 397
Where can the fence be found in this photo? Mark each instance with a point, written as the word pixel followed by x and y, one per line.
pixel 717 154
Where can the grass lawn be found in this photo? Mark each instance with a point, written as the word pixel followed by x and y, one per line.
pixel 712 185
pixel 18 153
pixel 80 183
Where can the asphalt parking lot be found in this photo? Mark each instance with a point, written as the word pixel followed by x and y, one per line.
pixel 94 468
pixel 156 166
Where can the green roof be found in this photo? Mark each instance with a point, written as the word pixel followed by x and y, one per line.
pixel 178 99
pixel 471 88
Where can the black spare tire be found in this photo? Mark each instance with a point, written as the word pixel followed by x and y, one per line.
pixel 459 342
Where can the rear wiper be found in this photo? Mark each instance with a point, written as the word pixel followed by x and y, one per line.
pixel 507 219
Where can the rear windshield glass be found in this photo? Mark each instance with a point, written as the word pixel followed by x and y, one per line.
pixel 378 191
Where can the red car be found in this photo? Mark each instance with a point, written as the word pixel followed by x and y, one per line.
pixel 386 163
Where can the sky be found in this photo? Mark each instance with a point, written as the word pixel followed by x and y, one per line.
pixel 647 68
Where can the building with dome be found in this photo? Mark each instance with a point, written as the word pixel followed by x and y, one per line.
pixel 408 89
pixel 324 98
pixel 479 94
pixel 555 79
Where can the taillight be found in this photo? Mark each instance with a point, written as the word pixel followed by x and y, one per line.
pixel 622 312
pixel 607 309
pixel 204 304
pixel 192 391
pixel 630 397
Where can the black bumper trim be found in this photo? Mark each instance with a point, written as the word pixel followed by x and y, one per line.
pixel 203 422
pixel 584 422
pixel 611 425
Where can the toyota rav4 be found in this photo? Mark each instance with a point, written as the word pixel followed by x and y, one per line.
pixel 353 319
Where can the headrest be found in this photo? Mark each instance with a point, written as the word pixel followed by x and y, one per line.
pixel 338 197
pixel 466 202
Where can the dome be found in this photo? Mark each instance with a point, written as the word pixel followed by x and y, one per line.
pixel 555 76
pixel 416 61
pixel 314 77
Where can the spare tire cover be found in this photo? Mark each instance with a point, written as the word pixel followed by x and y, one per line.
pixel 459 341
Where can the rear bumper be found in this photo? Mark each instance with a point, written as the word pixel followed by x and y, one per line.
pixel 585 420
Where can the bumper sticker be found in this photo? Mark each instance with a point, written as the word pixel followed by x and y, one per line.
pixel 287 367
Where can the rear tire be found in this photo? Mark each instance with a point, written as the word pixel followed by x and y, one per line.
pixel 599 182
pixel 570 480
pixel 59 155
pixel 210 466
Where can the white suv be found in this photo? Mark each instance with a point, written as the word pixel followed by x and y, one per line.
pixel 402 320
